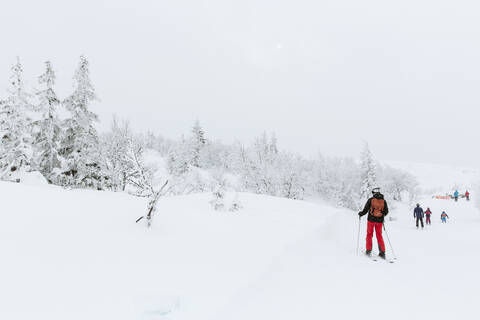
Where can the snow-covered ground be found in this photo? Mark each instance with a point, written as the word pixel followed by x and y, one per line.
pixel 435 276
pixel 77 254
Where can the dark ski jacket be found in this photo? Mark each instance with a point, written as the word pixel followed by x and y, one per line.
pixel 418 212
pixel 366 209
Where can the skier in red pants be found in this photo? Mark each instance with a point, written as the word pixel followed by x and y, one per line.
pixel 377 209
pixel 427 216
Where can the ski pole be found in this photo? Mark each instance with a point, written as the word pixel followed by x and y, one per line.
pixel 388 238
pixel 358 234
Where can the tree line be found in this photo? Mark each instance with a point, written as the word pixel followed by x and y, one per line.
pixel 57 137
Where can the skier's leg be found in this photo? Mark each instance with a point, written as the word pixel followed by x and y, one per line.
pixel 417 222
pixel 378 234
pixel 421 221
pixel 370 226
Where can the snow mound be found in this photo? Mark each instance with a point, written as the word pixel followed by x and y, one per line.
pixel 32 178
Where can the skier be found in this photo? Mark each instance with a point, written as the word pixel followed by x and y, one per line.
pixel 455 195
pixel 444 217
pixel 418 214
pixel 427 216
pixel 377 209
pixel 467 195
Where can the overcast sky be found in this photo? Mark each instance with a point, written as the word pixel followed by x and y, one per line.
pixel 324 75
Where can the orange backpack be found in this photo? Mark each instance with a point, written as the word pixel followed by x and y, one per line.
pixel 376 207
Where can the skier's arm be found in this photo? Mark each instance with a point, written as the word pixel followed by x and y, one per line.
pixel 366 208
pixel 385 208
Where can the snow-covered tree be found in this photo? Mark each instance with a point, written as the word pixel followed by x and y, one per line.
pixel 116 161
pixel 179 158
pixel 292 176
pixel 218 201
pixel 142 176
pixel 259 174
pixel 236 205
pixel 152 204
pixel 367 173
pixel 47 127
pixel 198 143
pixel 79 148
pixel 396 183
pixel 16 152
pixel 337 180
pixel 273 144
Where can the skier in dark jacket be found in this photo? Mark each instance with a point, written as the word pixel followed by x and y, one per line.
pixel 418 214
pixel 377 209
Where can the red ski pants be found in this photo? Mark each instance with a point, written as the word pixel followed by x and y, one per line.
pixel 427 220
pixel 378 232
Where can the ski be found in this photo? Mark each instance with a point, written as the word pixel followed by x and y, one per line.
pixel 377 258
pixel 387 260
pixel 380 259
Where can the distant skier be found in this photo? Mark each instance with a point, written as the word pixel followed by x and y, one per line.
pixel 427 216
pixel 377 209
pixel 444 217
pixel 418 214
pixel 467 195
pixel 455 195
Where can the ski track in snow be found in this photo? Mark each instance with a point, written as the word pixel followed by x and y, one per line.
pixel 77 254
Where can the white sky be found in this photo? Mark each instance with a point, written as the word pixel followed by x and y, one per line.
pixel 324 75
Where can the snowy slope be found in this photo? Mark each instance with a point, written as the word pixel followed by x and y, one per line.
pixel 77 254
pixel 435 276
pixel 437 178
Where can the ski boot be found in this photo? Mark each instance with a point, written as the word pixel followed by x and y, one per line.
pixel 368 253
pixel 382 255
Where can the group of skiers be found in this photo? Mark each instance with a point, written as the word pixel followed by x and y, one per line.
pixel 377 209
pixel 456 195
pixel 419 214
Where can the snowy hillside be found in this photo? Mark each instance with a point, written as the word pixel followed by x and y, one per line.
pixel 78 254
pixel 440 178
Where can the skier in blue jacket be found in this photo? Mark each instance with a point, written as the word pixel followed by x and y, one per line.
pixel 444 217
pixel 418 214
pixel 455 195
